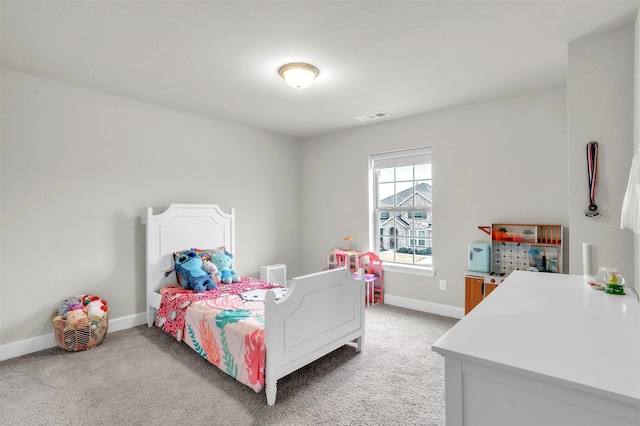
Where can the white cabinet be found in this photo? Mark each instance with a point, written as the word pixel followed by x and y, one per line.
pixel 544 349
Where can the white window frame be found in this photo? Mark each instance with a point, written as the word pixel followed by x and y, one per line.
pixel 399 158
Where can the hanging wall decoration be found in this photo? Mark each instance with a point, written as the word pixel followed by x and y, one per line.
pixel 592 168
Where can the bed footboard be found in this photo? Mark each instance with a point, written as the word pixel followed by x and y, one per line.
pixel 320 313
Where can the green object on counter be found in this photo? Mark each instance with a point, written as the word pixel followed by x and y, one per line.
pixel 614 289
pixel 614 283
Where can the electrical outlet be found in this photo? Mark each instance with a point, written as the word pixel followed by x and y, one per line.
pixel 443 284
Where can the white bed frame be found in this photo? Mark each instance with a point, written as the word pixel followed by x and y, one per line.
pixel 319 313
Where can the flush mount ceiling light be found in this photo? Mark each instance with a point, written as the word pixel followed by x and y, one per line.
pixel 298 75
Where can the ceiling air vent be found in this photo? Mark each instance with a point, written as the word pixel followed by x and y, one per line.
pixel 374 116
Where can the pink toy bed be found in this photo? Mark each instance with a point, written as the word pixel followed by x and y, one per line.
pixel 254 331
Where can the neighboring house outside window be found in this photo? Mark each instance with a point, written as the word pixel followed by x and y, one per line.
pixel 402 191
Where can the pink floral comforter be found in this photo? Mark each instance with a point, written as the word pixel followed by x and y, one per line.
pixel 221 326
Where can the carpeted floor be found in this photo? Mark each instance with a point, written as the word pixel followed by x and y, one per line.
pixel 142 376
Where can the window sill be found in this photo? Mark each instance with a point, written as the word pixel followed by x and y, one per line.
pixel 409 269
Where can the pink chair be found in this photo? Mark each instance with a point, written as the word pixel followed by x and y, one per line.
pixel 341 258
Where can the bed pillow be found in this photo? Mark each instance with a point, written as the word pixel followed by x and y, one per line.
pixel 204 254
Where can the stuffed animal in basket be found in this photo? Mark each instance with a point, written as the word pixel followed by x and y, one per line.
pixel 68 305
pixel 189 266
pixel 223 263
pixel 96 307
pixel 76 318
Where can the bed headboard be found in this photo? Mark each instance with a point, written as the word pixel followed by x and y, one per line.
pixel 180 227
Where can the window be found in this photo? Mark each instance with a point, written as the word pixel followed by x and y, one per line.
pixel 402 205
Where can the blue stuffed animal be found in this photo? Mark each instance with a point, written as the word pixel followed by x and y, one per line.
pixel 223 263
pixel 189 266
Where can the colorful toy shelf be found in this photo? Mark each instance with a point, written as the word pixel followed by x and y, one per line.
pixel 368 261
pixel 528 247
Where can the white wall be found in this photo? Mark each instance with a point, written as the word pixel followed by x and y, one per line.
pixel 636 133
pixel 600 105
pixel 78 170
pixel 500 161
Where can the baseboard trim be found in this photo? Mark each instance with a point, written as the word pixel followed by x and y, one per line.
pixel 429 307
pixel 38 343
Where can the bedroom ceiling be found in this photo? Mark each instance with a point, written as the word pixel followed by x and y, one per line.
pixel 220 59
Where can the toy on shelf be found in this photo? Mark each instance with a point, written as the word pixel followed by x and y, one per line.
pixel 340 258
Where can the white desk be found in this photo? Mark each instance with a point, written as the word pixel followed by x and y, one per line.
pixel 544 349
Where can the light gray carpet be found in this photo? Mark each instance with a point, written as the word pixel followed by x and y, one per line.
pixel 142 376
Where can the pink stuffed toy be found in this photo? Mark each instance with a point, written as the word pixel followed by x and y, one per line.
pixel 74 319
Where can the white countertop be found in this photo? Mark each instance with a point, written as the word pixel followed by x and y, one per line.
pixel 555 325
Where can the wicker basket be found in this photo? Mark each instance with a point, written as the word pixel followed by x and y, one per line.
pixel 80 335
